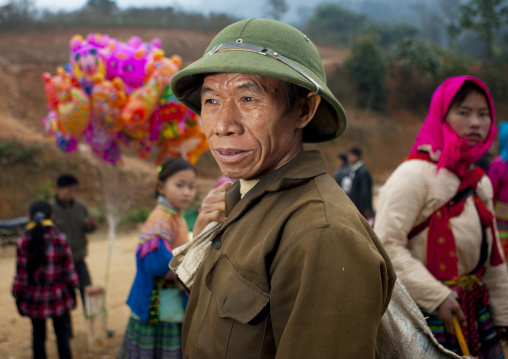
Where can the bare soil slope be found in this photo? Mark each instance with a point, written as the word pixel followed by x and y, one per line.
pixel 30 162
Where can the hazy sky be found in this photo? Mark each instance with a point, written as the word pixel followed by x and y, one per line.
pixel 233 7
pixel 298 9
pixel 72 5
pixel 240 9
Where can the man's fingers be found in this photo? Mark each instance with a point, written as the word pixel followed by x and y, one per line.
pixel 216 215
pixel 212 207
pixel 449 326
pixel 220 190
pixel 223 187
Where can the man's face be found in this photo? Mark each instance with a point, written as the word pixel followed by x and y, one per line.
pixel 247 124
pixel 67 194
pixel 352 158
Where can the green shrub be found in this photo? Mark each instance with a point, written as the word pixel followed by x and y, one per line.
pixel 136 216
pixel 45 190
pixel 366 67
pixel 416 67
pixel 12 152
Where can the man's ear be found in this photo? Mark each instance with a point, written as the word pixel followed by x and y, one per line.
pixel 308 109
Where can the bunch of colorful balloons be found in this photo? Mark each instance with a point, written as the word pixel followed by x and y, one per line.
pixel 115 94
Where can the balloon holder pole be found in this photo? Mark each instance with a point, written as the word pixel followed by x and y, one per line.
pixel 111 219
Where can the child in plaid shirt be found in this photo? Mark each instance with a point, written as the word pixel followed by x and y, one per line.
pixel 45 281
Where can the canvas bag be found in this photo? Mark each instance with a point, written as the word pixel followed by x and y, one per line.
pixel 404 333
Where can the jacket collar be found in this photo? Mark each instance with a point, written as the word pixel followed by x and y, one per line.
pixel 357 165
pixel 63 204
pixel 300 169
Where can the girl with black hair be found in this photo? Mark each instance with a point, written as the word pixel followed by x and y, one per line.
pixel 45 281
pixel 156 302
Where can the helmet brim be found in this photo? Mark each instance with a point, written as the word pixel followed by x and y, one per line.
pixel 329 121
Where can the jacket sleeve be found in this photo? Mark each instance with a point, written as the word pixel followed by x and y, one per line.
pixel 366 191
pixel 86 214
pixel 496 280
pixel 70 275
pixel 21 277
pixel 361 194
pixel 400 201
pixel 328 293
pixel 157 262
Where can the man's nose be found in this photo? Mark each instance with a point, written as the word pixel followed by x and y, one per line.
pixel 229 120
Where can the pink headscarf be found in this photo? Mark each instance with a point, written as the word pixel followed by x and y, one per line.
pixel 456 155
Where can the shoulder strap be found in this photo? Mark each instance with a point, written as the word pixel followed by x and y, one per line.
pixel 459 196
pixel 484 252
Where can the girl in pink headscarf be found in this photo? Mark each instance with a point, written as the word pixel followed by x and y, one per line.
pixel 435 219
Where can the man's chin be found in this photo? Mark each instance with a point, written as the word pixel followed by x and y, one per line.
pixel 234 174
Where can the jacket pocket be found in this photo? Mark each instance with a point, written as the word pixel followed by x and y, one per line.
pixel 235 323
pixel 235 297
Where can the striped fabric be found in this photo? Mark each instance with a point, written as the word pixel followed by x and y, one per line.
pixel 502 226
pixel 147 341
pixel 163 222
pixel 479 333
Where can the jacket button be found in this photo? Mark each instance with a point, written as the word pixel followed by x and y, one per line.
pixel 216 244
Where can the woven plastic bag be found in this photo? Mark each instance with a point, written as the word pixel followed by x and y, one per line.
pixel 404 333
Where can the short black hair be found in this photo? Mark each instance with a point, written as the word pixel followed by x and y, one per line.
pixel 356 151
pixel 343 157
pixel 66 180
pixel 294 93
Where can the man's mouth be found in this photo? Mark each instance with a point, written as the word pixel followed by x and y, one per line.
pixel 231 155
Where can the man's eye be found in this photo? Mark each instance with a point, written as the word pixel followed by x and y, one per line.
pixel 249 99
pixel 210 101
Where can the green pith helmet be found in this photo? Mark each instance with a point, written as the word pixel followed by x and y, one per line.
pixel 271 49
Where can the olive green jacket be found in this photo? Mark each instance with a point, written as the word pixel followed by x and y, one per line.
pixel 70 219
pixel 294 272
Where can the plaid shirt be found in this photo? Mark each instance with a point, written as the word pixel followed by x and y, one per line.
pixel 52 293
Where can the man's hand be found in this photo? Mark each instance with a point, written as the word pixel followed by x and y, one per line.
pixel 449 308
pixel 213 208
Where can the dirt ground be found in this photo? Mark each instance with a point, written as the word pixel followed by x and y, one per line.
pixel 15 331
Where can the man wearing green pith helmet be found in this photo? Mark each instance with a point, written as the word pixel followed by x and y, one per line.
pixel 294 271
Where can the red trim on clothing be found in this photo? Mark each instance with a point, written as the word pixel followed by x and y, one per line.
pixel 442 259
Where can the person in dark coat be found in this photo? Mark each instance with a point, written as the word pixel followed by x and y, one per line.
pixel 342 169
pixel 73 219
pixel 360 191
